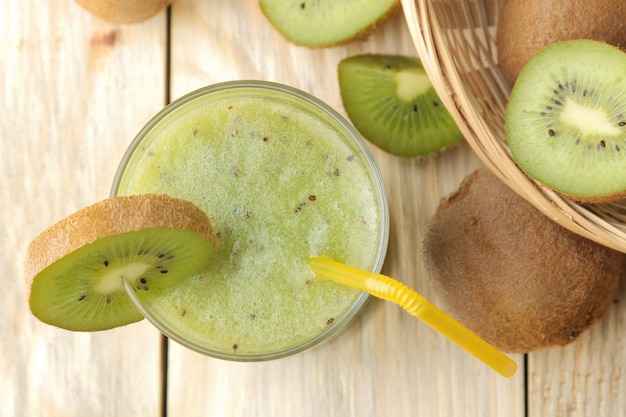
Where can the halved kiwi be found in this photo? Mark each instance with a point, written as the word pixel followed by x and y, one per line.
pixel 392 103
pixel 317 23
pixel 75 268
pixel 566 120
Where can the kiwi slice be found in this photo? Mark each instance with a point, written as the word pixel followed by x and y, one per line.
pixel 512 275
pixel 566 120
pixel 75 268
pixel 392 103
pixel 317 23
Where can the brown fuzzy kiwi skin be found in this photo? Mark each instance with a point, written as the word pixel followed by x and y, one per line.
pixel 124 11
pixel 112 216
pixel 599 199
pixel 527 26
pixel 512 275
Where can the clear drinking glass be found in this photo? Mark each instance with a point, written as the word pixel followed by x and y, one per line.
pixel 284 177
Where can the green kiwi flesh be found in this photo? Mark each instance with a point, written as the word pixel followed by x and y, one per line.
pixel 75 270
pixel 84 291
pixel 566 120
pixel 512 275
pixel 318 23
pixel 392 103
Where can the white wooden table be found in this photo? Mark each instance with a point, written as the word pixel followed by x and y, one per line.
pixel 74 92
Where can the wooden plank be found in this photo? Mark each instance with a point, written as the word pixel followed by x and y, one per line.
pixel 75 91
pixel 386 363
pixel 584 378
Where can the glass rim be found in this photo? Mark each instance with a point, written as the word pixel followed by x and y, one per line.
pixel 342 125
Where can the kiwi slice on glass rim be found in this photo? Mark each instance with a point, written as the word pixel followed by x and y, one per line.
pixel 75 268
pixel 566 120
pixel 393 104
pixel 318 23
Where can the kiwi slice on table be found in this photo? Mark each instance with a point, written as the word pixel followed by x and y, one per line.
pixel 75 268
pixel 317 23
pixel 392 103
pixel 566 120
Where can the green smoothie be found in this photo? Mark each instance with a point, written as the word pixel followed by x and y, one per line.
pixel 282 181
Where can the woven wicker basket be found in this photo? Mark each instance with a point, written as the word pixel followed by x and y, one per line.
pixel 455 41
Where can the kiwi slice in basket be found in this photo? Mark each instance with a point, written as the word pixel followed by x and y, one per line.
pixel 566 120
pixel 317 23
pixel 392 103
pixel 75 268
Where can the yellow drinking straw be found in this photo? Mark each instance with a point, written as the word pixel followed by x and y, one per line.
pixel 389 289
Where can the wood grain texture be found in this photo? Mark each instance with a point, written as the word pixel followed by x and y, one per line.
pixel 586 377
pixel 75 90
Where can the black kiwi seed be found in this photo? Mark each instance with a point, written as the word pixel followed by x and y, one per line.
pixel 106 263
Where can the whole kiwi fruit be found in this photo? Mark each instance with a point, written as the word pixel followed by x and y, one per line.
pixel 124 11
pixel 526 26
pixel 509 273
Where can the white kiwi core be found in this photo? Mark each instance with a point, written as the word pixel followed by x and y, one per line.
pixel 112 280
pixel 412 83
pixel 588 120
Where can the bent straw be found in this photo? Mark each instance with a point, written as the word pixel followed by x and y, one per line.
pixel 389 289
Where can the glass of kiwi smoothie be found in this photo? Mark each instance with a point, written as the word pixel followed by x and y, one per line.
pixel 283 177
